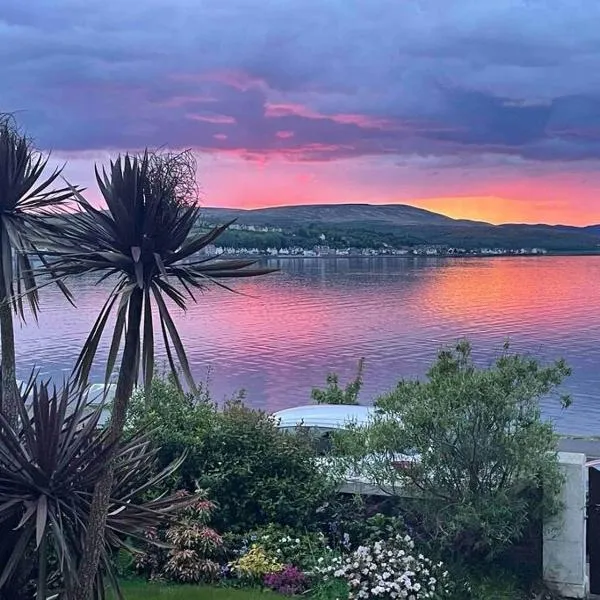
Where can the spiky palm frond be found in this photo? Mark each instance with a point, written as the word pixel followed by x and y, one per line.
pixel 145 241
pixel 28 200
pixel 48 470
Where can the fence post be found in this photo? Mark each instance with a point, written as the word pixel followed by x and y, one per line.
pixel 564 538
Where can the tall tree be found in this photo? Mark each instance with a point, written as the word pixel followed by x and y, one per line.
pixel 145 244
pixel 27 202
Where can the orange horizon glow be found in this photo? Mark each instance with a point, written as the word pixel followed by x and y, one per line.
pixel 228 179
pixel 487 209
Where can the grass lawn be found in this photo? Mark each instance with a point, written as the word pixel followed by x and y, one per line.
pixel 141 590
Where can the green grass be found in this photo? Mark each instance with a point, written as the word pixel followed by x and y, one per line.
pixel 141 590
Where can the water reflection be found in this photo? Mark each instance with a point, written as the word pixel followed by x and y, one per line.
pixel 284 332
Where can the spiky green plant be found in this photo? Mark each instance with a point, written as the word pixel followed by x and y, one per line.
pixel 48 470
pixel 145 243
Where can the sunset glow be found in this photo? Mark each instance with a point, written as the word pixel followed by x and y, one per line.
pixel 502 127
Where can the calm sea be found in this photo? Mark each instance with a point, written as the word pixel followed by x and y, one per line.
pixel 281 336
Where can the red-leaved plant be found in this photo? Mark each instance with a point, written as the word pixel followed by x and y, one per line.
pixel 189 548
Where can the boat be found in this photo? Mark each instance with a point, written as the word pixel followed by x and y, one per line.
pixel 324 417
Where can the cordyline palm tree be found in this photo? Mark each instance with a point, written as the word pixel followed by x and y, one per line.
pixel 27 202
pixel 146 245
pixel 48 469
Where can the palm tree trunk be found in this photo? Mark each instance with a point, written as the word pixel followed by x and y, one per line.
pixel 94 541
pixel 42 585
pixel 9 396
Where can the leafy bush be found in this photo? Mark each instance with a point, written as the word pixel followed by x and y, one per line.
pixel 289 546
pixel 255 564
pixel 482 451
pixel 193 552
pixel 352 521
pixel 255 473
pixel 179 422
pixel 330 589
pixel 334 394
pixel 389 569
pixel 290 581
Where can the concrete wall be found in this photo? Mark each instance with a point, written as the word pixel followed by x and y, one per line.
pixel 564 544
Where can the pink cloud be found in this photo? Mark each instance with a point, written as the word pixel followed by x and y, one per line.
pixel 364 121
pixel 235 79
pixel 278 110
pixel 284 135
pixel 220 136
pixel 177 101
pixel 218 119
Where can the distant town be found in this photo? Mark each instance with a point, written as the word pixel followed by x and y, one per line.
pixel 324 249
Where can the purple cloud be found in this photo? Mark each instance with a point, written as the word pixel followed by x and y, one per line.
pixel 307 80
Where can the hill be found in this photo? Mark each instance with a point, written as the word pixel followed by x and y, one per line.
pixel 282 216
pixel 396 225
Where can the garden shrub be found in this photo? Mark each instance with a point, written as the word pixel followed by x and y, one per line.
pixel 290 581
pixel 389 569
pixel 352 521
pixel 334 394
pixel 194 548
pixel 483 451
pixel 179 423
pixel 252 566
pixel 330 589
pixel 289 546
pixel 255 473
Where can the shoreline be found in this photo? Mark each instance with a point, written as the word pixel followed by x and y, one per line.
pixel 406 256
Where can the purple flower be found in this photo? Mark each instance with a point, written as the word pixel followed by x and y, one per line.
pixel 290 581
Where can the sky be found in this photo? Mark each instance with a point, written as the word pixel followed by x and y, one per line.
pixel 487 110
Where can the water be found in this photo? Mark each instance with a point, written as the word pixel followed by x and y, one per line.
pixel 285 333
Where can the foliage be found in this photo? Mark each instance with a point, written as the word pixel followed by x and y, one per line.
pixel 255 473
pixel 188 549
pixel 27 200
pixel 349 521
pixel 27 203
pixel 378 527
pixel 255 564
pixel 360 235
pixel 330 589
pixel 179 422
pixel 144 242
pixel 259 474
pixel 290 581
pixel 334 394
pixel 389 569
pixel 287 545
pixel 481 451
pixel 48 470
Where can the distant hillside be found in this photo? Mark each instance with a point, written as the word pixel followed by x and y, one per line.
pixel 282 216
pixel 399 225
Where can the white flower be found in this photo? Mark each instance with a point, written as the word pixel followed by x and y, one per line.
pixel 417 587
